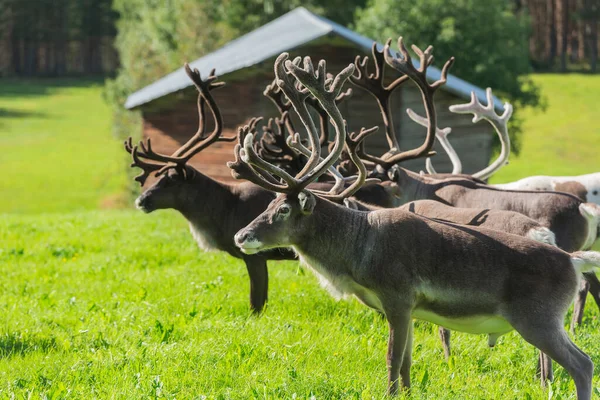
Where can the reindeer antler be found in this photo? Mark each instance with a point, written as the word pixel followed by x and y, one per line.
pixel 499 122
pixel 196 143
pixel 147 168
pixel 442 136
pixel 373 84
pixel 325 91
pixel 353 140
pixel 403 64
pixel 243 170
pixel 273 144
pixel 323 117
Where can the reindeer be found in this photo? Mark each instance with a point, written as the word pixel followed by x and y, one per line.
pixel 505 221
pixel 475 280
pixel 500 220
pixel 215 210
pixel 586 187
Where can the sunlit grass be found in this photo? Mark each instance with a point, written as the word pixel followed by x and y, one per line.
pixel 117 304
pixel 565 139
pixel 56 149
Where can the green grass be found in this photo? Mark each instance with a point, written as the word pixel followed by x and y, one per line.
pixel 117 304
pixel 565 139
pixel 57 153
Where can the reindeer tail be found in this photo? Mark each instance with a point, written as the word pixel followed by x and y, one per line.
pixel 590 211
pixel 542 234
pixel 586 261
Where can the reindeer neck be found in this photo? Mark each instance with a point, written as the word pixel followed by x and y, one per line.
pixel 205 200
pixel 332 239
pixel 412 186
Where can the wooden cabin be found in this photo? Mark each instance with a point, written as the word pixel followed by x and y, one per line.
pixel 170 117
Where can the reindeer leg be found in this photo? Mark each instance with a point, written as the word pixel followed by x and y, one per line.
pixel 445 338
pixel 400 337
pixel 407 359
pixel 594 283
pixel 550 337
pixel 579 304
pixel 544 369
pixel 259 282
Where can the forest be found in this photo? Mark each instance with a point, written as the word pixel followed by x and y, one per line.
pixel 68 37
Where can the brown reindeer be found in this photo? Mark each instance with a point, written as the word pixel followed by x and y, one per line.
pixel 500 220
pixel 466 278
pixel 215 210
pixel 574 223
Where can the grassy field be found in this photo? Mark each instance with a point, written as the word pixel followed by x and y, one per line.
pixel 57 153
pixel 117 304
pixel 565 139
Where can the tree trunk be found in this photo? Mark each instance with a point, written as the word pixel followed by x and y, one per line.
pixel 16 54
pixel 562 11
pixel 594 44
pixel 30 58
pixel 6 35
pixel 551 33
pixel 579 27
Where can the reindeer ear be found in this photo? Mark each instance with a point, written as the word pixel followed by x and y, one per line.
pixel 393 173
pixel 307 202
pixel 350 204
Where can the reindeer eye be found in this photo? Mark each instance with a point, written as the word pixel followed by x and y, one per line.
pixel 284 210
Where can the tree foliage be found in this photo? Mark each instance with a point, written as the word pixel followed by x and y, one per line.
pixel 489 42
pixel 155 37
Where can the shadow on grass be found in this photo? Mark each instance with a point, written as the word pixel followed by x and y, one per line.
pixel 12 113
pixel 39 86
pixel 13 344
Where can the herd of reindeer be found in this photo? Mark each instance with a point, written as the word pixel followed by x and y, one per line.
pixel 444 248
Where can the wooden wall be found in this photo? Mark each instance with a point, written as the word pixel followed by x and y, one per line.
pixel 170 121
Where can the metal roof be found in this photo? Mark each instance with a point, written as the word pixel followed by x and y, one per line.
pixel 287 32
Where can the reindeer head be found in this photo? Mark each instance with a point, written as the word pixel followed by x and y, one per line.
pixel 279 225
pixel 170 190
pixel 175 177
pixel 288 216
